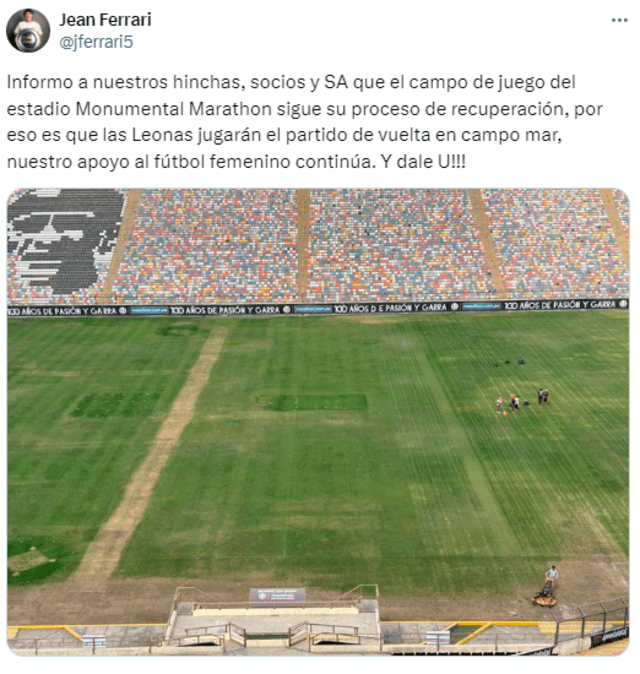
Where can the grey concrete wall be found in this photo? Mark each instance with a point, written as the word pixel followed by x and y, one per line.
pixel 573 646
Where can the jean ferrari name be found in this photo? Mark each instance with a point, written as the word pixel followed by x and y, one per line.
pixel 104 19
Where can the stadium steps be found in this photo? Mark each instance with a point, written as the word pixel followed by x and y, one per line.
pixel 184 608
pixel 616 223
pixel 304 203
pixel 369 606
pixel 128 218
pixel 480 216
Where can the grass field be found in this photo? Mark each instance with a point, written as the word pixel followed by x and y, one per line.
pixel 326 452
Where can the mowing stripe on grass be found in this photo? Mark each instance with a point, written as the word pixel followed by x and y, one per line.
pixel 102 556
pixel 396 493
pixel 459 444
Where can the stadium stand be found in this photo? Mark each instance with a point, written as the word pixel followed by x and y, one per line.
pixel 15 195
pixel 382 245
pixel 477 206
pixel 211 246
pixel 60 244
pixel 555 243
pixel 622 204
pixel 234 246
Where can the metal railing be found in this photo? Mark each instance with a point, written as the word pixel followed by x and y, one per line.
pixel 357 594
pixel 489 642
pixel 199 635
pixel 600 622
pixel 357 640
pixel 310 629
pixel 49 644
pixel 592 620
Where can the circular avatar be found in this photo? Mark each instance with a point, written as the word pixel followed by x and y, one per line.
pixel 28 30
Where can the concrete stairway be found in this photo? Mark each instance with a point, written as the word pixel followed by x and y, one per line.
pixel 480 215
pixel 128 218
pixel 304 203
pixel 616 223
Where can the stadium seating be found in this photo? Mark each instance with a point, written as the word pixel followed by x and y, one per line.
pixel 60 244
pixel 384 245
pixel 555 243
pixel 211 246
pixel 622 202
pixel 235 246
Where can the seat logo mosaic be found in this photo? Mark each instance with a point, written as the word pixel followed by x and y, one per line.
pixel 60 241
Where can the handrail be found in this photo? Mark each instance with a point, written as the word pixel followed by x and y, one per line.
pixel 219 628
pixel 353 628
pixel 376 638
pixel 308 628
pixel 183 638
pixel 295 628
pixel 227 628
pixel 358 588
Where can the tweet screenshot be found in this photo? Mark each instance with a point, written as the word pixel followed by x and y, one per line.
pixel 317 330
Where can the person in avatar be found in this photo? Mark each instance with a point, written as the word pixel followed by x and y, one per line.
pixel 28 24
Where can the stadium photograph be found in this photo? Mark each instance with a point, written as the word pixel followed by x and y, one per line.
pixel 376 421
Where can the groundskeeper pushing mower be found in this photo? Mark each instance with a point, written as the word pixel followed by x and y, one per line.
pixel 546 597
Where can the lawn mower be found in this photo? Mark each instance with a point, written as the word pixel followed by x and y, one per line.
pixel 545 596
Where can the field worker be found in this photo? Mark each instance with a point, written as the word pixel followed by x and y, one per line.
pixel 499 405
pixel 540 392
pixel 552 574
pixel 545 396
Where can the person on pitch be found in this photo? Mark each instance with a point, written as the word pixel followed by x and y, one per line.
pixel 551 575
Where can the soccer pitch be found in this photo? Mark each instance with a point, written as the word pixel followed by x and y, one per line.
pixel 327 451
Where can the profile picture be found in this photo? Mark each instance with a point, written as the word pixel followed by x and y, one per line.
pixel 62 239
pixel 28 30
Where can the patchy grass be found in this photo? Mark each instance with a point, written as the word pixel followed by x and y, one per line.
pixel 85 400
pixel 327 451
pixel 423 488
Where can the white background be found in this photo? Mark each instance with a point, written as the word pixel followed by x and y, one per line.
pixel 358 39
